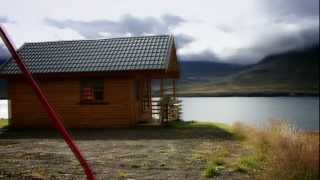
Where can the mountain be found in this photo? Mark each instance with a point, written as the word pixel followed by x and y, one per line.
pixel 292 72
pixel 294 68
pixel 2 60
pixel 3 83
pixel 3 54
pixel 204 71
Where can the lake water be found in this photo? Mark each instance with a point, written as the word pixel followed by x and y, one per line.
pixel 303 112
pixel 300 111
pixel 3 109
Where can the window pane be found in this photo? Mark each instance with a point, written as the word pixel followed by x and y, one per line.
pixel 92 90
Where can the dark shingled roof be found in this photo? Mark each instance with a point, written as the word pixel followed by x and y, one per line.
pixel 103 55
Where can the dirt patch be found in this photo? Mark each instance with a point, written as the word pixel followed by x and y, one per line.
pixel 150 153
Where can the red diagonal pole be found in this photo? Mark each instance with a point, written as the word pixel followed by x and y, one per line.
pixel 52 113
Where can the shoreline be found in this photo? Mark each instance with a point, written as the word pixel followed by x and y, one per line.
pixel 257 94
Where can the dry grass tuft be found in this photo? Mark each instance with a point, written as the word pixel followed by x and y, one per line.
pixel 287 153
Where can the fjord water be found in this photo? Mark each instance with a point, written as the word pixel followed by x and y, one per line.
pixel 302 112
pixel 3 109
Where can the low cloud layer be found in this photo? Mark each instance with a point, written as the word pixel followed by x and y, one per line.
pixel 275 43
pixel 4 19
pixel 205 55
pixel 183 40
pixel 288 9
pixel 126 25
pixel 279 36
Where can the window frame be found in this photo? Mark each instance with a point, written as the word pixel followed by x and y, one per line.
pixel 98 86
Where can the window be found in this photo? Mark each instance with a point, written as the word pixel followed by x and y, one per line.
pixel 92 90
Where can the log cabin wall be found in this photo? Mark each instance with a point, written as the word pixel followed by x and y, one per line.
pixel 117 109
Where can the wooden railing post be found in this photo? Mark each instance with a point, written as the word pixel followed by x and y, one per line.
pixel 174 89
pixel 161 99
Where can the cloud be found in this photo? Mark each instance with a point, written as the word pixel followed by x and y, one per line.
pixel 225 28
pixel 4 19
pixel 275 43
pixel 205 55
pixel 245 32
pixel 183 40
pixel 291 8
pixel 126 25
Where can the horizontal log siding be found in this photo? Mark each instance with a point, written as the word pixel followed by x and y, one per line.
pixel 117 111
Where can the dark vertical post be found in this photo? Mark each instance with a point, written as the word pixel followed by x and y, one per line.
pixel 174 107
pixel 174 89
pixel 149 93
pixel 161 88
pixel 161 101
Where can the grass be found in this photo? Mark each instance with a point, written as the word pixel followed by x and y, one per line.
pixel 3 123
pixel 221 158
pixel 199 125
pixel 285 152
pixel 217 162
pixel 212 169
pixel 247 164
pixel 277 151
pixel 122 174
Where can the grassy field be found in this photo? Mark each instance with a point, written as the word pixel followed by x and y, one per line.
pixel 183 150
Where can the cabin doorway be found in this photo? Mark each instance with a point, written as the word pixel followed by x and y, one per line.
pixel 143 100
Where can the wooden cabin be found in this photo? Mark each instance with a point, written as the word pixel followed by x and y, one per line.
pixel 92 83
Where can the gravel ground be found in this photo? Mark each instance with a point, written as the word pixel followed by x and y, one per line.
pixel 141 153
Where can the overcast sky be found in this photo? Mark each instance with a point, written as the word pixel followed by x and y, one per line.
pixel 219 30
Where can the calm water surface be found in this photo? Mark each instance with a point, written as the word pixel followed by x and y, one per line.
pixel 300 111
pixel 303 112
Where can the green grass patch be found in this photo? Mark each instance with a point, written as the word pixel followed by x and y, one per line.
pixel 247 164
pixel 122 174
pixel 197 157
pixel 199 125
pixel 213 169
pixel 4 123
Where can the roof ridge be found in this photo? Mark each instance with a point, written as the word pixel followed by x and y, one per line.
pixel 79 40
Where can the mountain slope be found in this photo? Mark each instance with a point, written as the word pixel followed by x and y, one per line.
pixel 204 71
pixel 285 73
pixel 296 68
